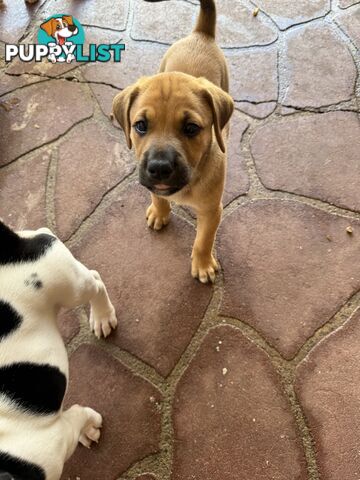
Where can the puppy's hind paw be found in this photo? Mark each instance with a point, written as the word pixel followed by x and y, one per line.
pixel 156 219
pixel 205 271
pixel 91 431
pixel 102 324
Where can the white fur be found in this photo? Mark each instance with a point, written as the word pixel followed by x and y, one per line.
pixel 49 440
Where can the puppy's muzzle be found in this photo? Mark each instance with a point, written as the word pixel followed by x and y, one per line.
pixel 163 171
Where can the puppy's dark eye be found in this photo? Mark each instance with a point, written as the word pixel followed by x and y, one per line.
pixel 58 27
pixel 141 127
pixel 191 129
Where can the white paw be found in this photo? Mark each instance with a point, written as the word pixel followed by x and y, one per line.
pixel 102 325
pixel 91 431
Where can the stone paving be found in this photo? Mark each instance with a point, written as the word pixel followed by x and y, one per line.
pixel 258 376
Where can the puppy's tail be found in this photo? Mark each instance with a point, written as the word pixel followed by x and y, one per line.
pixel 206 22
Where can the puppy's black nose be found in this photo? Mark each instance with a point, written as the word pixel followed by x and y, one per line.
pixel 72 28
pixel 159 169
pixel 161 164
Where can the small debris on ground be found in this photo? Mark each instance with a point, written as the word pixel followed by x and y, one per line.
pixel 224 371
pixel 349 229
pixel 9 104
pixel 329 238
pixel 256 11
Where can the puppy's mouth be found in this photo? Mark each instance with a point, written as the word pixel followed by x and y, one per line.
pixel 163 189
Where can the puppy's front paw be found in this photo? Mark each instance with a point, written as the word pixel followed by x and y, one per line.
pixel 155 219
pixel 91 431
pixel 204 268
pixel 102 324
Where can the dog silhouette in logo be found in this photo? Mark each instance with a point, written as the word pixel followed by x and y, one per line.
pixel 61 29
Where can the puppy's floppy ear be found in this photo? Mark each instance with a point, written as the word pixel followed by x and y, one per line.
pixel 49 27
pixel 68 19
pixel 121 108
pixel 222 107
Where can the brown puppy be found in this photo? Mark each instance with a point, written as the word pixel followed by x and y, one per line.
pixel 177 121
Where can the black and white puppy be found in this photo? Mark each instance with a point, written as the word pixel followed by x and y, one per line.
pixel 38 276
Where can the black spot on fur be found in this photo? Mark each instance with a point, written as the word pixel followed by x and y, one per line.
pixel 14 468
pixel 38 388
pixel 34 282
pixel 14 249
pixel 10 319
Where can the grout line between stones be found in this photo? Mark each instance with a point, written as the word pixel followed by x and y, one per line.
pixel 350 6
pixel 286 373
pixel 257 191
pixel 337 321
pixel 160 463
pixel 50 191
pixel 59 77
pixel 50 142
pixel 46 79
pixel 353 50
pixel 107 199
pixel 288 196
pixel 137 366
pixel 287 378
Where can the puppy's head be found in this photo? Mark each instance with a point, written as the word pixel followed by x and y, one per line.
pixel 60 28
pixel 170 119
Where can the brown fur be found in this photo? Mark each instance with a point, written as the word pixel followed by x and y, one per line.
pixel 50 26
pixel 193 81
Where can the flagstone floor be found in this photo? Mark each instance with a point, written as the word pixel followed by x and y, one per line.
pixel 258 376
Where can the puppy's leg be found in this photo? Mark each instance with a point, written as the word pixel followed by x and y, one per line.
pixel 102 315
pixel 158 213
pixel 85 286
pixel 80 424
pixel 203 264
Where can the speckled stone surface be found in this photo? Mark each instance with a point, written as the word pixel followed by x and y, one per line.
pixel 256 377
